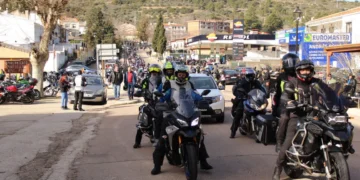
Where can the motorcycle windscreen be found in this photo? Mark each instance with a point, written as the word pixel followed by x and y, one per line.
pixel 257 96
pixel 326 97
pixel 185 103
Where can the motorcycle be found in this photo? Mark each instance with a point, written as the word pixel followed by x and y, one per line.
pixel 12 93
pixel 183 131
pixel 323 137
pixel 256 121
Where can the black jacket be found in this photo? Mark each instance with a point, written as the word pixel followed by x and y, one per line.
pixel 116 77
pixel 280 82
pixel 243 87
pixel 64 86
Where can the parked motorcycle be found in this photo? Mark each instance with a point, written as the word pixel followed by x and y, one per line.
pixel 183 131
pixel 323 138
pixel 12 93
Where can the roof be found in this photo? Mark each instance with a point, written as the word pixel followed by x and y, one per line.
pixel 14 47
pixel 343 48
pixel 342 13
pixel 68 19
pixel 210 20
pixel 174 24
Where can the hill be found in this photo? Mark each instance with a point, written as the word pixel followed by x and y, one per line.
pixel 179 11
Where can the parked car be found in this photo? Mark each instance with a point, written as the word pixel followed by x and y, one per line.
pixel 76 68
pixel 77 62
pixel 216 100
pixel 95 91
pixel 231 76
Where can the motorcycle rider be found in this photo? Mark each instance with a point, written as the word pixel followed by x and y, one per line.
pixel 301 83
pixel 181 81
pixel 168 70
pixel 288 62
pixel 149 85
pixel 240 90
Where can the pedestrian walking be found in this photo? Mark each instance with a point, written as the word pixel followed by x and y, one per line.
pixel 116 78
pixel 130 81
pixel 64 88
pixel 79 84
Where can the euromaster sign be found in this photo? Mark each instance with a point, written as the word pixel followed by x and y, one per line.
pixel 313 48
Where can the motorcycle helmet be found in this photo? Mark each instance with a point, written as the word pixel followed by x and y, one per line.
pixel 154 68
pixel 33 81
pixel 181 69
pixel 289 61
pixel 168 66
pixel 249 74
pixel 304 64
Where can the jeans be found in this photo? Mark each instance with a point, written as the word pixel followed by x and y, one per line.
pixel 78 99
pixel 130 90
pixel 64 99
pixel 116 91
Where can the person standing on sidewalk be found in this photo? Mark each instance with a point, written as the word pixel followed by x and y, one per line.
pixel 130 81
pixel 64 88
pixel 116 78
pixel 79 84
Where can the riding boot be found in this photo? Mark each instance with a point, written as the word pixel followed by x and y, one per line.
pixel 233 133
pixel 277 173
pixel 156 170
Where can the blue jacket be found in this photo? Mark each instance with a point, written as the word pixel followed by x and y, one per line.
pixel 126 78
pixel 167 96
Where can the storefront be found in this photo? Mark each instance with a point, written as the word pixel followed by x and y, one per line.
pixel 14 60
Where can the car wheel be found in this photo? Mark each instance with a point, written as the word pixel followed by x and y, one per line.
pixel 104 101
pixel 221 118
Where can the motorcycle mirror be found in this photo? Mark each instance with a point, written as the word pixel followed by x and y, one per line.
pixel 205 92
pixel 158 94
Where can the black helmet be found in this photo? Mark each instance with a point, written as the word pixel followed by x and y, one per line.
pixel 33 81
pixel 249 74
pixel 305 64
pixel 289 61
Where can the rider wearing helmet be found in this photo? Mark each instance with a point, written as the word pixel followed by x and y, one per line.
pixel 288 62
pixel 150 84
pixel 240 90
pixel 304 72
pixel 181 81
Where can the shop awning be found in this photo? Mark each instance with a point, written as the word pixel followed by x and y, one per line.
pixel 339 49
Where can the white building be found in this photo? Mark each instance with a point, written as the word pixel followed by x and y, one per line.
pixel 75 27
pixel 178 44
pixel 174 31
pixel 343 22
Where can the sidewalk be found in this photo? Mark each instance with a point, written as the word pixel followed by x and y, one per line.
pixel 35 136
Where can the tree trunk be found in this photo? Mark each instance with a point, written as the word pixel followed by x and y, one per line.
pixel 37 71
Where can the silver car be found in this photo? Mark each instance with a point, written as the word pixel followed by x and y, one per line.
pixel 95 91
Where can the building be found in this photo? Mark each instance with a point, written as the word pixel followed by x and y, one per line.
pixel 175 31
pixel 14 59
pixel 203 27
pixel 343 22
pixel 74 27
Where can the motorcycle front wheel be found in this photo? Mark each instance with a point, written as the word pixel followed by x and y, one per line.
pixel 339 166
pixel 191 162
pixel 36 94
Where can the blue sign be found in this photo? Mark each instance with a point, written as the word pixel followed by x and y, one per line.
pixel 282 41
pixel 292 38
pixel 314 51
pixel 293 30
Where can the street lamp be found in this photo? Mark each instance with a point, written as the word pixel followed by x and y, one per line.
pixel 297 14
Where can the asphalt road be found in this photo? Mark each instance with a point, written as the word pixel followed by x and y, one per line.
pixel 110 155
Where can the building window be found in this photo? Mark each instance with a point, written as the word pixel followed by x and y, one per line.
pixel 323 30
pixel 73 25
pixel 67 25
pixel 349 27
pixel 331 29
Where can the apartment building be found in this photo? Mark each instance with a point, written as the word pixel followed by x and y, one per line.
pixel 175 31
pixel 203 27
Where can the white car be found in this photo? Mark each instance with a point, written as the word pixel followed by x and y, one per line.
pixel 215 98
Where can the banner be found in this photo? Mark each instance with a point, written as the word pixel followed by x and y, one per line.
pixel 238 36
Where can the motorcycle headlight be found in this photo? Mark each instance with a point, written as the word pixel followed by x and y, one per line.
pixel 182 123
pixel 195 122
pixel 337 119
pixel 216 99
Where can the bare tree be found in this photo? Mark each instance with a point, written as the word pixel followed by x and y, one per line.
pixel 49 12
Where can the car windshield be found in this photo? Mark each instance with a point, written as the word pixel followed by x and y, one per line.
pixel 203 82
pixel 185 103
pixel 93 80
